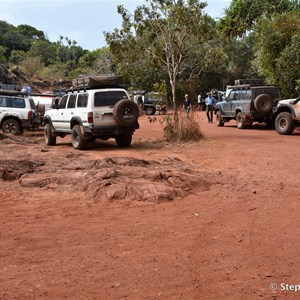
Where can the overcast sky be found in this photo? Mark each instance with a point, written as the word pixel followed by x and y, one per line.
pixel 81 20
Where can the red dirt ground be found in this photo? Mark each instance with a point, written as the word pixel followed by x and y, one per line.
pixel 216 219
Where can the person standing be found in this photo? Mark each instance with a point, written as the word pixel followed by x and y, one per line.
pixel 187 104
pixel 199 102
pixel 210 103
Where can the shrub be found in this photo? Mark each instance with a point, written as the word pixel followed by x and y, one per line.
pixel 186 129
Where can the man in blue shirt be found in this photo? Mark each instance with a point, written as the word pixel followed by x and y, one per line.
pixel 210 103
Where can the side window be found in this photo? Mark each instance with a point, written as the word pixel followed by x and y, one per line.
pixel 2 102
pixel 82 100
pixel 231 95
pixel 72 101
pixel 15 102
pixel 244 95
pixel 63 102
pixel 248 95
pixel 237 95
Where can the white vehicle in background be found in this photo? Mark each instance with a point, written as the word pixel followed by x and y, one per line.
pixel 17 112
pixel 288 116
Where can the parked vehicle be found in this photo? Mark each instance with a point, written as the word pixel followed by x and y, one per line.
pixel 90 112
pixel 17 112
pixel 247 103
pixel 149 102
pixel 287 116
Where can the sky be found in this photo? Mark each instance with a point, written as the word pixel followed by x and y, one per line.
pixel 81 20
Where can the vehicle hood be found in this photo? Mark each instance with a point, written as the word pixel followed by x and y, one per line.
pixel 286 101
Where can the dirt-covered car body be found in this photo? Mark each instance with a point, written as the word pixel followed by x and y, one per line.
pixel 248 103
pixel 88 114
pixel 287 116
pixel 17 112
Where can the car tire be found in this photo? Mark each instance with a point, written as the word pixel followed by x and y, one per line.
pixel 240 121
pixel 149 110
pixel 219 118
pixel 50 138
pixel 11 126
pixel 284 123
pixel 126 112
pixel 77 139
pixel 123 140
pixel 263 103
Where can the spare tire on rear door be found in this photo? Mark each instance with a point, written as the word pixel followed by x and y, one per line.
pixel 263 103
pixel 126 112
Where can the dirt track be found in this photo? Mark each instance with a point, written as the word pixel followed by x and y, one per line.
pixel 218 219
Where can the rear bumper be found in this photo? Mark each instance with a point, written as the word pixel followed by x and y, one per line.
pixel 111 130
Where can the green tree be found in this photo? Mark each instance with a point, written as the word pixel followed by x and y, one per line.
pixel 243 15
pixel 168 32
pixel 46 50
pixel 30 32
pixel 278 52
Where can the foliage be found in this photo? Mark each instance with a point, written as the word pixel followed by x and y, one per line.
pixel 31 66
pixel 278 51
pixel 243 15
pixel 186 129
pixel 168 32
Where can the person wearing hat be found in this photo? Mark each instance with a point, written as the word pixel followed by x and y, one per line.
pixel 210 103
pixel 187 105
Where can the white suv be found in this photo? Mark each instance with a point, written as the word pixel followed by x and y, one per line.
pixel 288 116
pixel 17 112
pixel 87 114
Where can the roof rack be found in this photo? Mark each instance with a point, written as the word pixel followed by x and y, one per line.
pixel 249 82
pixel 86 88
pixel 13 93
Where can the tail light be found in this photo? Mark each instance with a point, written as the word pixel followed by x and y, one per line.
pixel 30 115
pixel 90 117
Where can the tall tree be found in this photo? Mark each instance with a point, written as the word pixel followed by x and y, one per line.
pixel 243 15
pixel 278 51
pixel 167 31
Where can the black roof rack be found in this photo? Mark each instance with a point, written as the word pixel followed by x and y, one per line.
pixel 13 93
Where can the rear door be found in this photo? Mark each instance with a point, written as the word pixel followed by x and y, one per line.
pixel 104 102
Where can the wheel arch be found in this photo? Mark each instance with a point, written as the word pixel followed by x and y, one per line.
pixel 238 110
pixel 75 121
pixel 284 109
pixel 11 117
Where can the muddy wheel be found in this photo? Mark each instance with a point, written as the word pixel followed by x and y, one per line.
pixel 11 126
pixel 123 140
pixel 77 139
pixel 284 123
pixel 149 110
pixel 126 112
pixel 50 138
pixel 219 118
pixel 240 121
pixel 263 103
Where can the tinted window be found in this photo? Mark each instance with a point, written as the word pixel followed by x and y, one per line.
pixel 108 98
pixel 32 105
pixel 15 102
pixel 82 100
pixel 72 101
pixel 274 93
pixel 63 102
